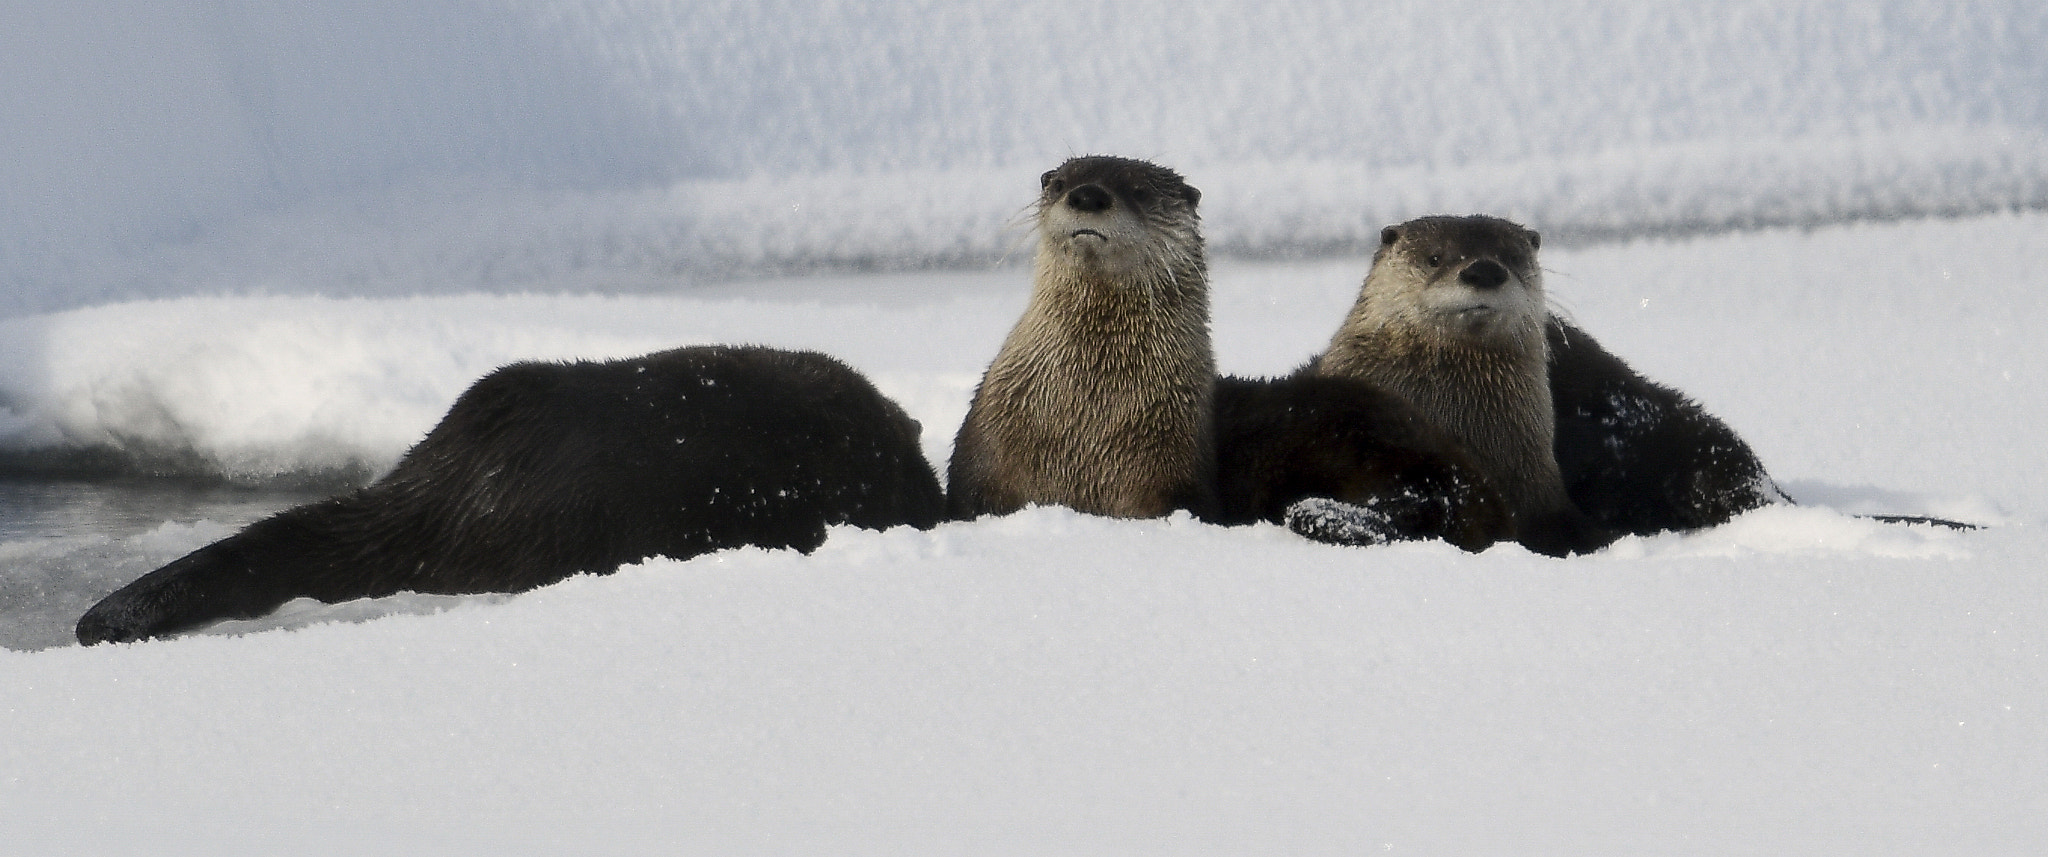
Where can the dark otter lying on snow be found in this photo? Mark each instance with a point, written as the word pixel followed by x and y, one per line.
pixel 543 470
pixel 1641 458
pixel 1638 457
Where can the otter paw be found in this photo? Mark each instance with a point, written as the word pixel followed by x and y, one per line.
pixel 1339 523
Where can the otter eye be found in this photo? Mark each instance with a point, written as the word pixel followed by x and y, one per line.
pixel 1435 260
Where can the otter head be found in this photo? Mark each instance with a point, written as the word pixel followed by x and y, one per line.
pixel 1106 216
pixel 1472 279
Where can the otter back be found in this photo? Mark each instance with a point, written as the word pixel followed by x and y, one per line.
pixel 1639 457
pixel 544 470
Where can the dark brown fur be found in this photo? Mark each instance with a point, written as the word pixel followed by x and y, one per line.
pixel 544 470
pixel 1641 458
pixel 1307 436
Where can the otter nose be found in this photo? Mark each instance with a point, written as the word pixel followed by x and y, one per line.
pixel 1088 197
pixel 1483 274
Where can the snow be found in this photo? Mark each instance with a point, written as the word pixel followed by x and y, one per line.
pixel 1055 683
pixel 384 147
pixel 269 243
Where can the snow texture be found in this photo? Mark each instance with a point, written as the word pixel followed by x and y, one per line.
pixel 269 243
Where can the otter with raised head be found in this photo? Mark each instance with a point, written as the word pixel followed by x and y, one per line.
pixel 1104 396
pixel 1452 317
pixel 544 470
pixel 1100 398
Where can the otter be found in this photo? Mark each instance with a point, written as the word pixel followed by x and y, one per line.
pixel 1452 318
pixel 1104 397
pixel 544 470
pixel 1640 458
pixel 1634 457
pixel 1100 397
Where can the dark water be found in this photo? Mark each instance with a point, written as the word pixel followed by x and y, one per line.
pixel 66 544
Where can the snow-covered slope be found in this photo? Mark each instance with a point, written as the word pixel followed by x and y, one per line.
pixel 387 147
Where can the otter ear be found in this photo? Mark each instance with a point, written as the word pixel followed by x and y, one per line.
pixel 1389 235
pixel 1535 239
pixel 1045 181
pixel 1189 193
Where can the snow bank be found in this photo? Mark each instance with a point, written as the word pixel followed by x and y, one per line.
pixel 1882 325
pixel 318 390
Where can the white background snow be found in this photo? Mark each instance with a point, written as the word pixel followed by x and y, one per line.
pixel 272 241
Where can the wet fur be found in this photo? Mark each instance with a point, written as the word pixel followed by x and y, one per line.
pixel 1640 458
pixel 1099 399
pixel 1304 436
pixel 543 470
pixel 1104 397
pixel 1473 359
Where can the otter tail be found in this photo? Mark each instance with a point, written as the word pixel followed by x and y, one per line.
pixel 244 576
pixel 207 585
pixel 1923 520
